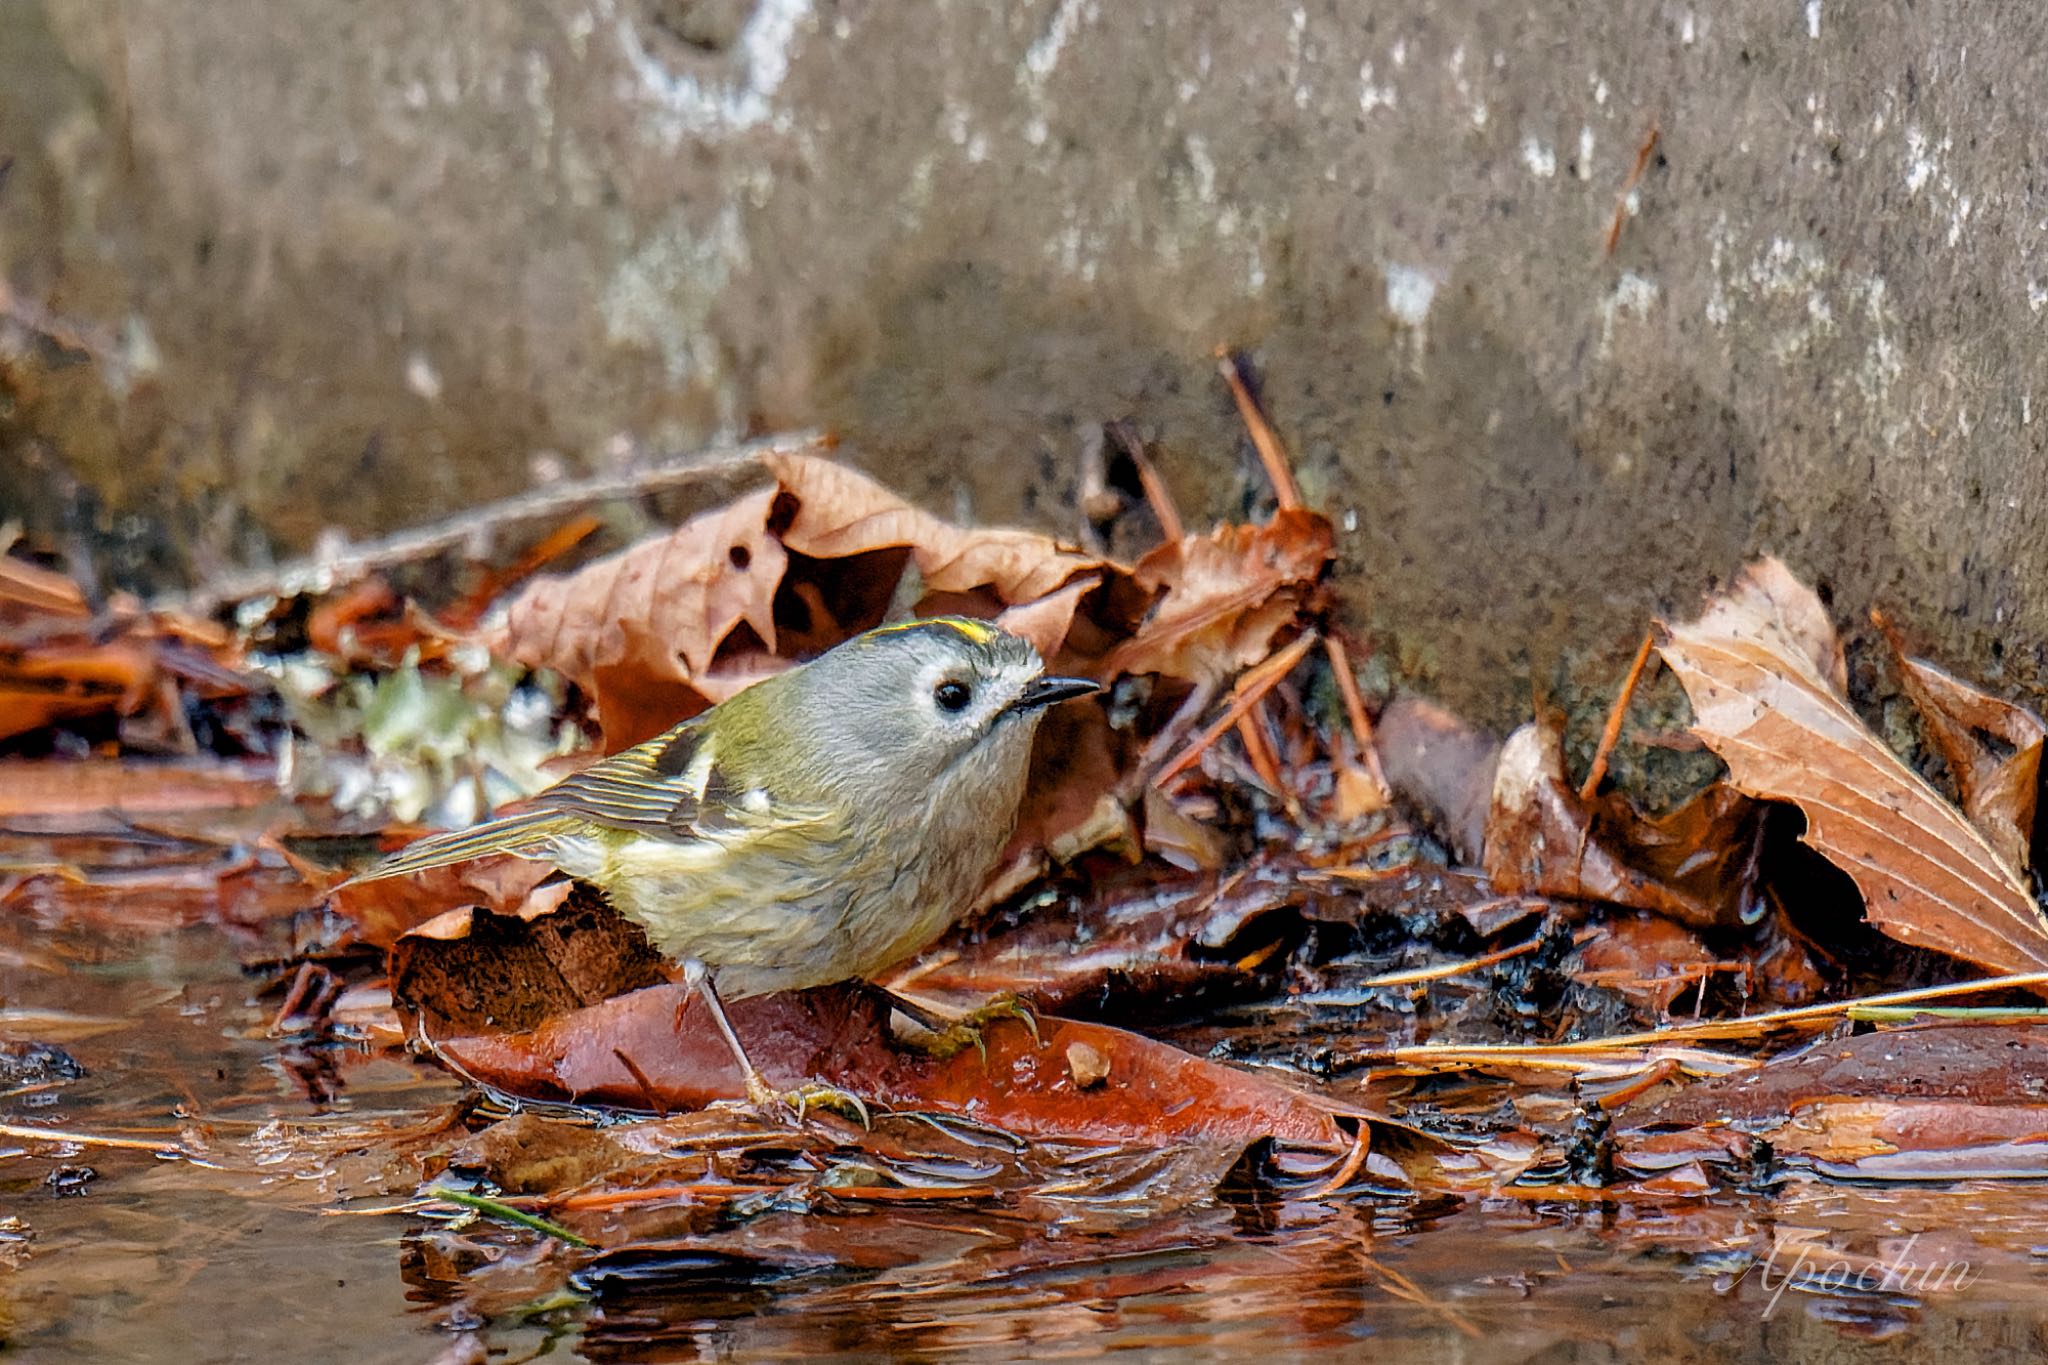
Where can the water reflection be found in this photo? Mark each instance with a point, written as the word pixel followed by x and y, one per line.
pixel 227 1256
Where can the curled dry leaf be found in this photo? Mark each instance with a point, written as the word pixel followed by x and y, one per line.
pixel 638 630
pixel 1045 621
pixel 654 633
pixel 1694 865
pixel 1225 597
pixel 1767 696
pixel 1992 747
pixel 384 910
pixel 840 513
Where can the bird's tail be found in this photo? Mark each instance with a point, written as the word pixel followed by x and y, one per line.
pixel 525 836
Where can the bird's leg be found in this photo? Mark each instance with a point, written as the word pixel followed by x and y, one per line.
pixel 697 977
pixel 947 1032
pixel 760 1094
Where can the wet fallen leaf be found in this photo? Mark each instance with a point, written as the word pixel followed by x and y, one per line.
pixel 1648 959
pixel 80 787
pixel 1930 1102
pixel 1017 1081
pixel 1767 692
pixel 1694 865
pixel 1166 942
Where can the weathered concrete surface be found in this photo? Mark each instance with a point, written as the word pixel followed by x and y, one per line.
pixel 363 263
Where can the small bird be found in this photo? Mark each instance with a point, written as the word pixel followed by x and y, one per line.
pixel 822 826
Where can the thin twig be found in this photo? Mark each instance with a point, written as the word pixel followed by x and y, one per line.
pixel 1255 683
pixel 1657 1073
pixel 1354 710
pixel 1401 1287
pixel 1610 734
pixel 1447 969
pixel 1255 735
pixel 355 561
pixel 1355 1159
pixel 1746 1026
pixel 1157 497
pixel 27 1133
pixel 1263 439
pixel 1628 186
pixel 1564 1058
pixel 647 1091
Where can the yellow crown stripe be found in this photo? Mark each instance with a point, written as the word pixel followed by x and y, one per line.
pixel 974 630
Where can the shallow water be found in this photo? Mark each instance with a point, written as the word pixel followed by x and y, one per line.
pixel 228 1255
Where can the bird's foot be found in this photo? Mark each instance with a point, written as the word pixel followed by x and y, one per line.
pixel 800 1100
pixel 946 1035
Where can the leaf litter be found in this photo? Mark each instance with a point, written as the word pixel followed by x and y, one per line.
pixel 1257 976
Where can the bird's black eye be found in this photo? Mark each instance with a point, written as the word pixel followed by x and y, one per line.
pixel 952 696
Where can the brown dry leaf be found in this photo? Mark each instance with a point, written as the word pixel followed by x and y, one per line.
pixel 1442 766
pixel 383 910
pixel 1694 865
pixel 1046 621
pixel 1648 959
pixel 1771 704
pixel 1225 597
pixel 1994 749
pixel 653 634
pixel 635 629
pixel 841 512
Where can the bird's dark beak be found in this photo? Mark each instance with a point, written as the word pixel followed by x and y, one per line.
pixel 1044 691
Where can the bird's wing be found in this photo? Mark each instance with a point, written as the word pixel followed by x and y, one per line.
pixel 671 787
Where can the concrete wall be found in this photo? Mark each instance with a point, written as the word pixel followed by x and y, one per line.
pixel 364 263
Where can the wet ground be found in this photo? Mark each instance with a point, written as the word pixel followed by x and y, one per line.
pixel 228 1248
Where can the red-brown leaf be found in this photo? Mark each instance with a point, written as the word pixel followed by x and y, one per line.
pixel 1151 1092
